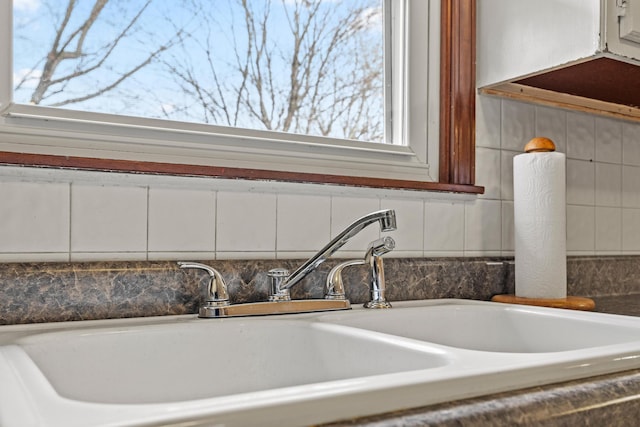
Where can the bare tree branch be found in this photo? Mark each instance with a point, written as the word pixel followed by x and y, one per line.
pixel 322 79
pixel 71 46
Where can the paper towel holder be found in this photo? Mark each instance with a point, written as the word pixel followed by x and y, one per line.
pixel 539 145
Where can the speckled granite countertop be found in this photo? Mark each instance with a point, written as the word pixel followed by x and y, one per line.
pixel 608 400
pixel 619 304
pixel 53 292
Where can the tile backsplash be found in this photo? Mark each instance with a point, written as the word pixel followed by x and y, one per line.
pixel 61 215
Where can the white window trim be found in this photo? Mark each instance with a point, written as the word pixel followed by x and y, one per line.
pixel 42 130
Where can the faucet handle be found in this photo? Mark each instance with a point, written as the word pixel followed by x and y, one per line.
pixel 278 277
pixel 334 287
pixel 217 295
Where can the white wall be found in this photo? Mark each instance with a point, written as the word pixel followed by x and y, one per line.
pixel 52 215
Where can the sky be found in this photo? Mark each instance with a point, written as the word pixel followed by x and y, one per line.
pixel 26 5
pixel 153 92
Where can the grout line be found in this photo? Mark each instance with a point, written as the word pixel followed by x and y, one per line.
pixel 70 220
pixel 464 229
pixel 215 225
pixel 330 218
pixel 148 188
pixel 620 218
pixel 424 226
pixel 275 243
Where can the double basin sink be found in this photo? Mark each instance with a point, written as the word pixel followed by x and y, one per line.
pixel 297 369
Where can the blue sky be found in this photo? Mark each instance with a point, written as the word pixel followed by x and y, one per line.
pixel 151 92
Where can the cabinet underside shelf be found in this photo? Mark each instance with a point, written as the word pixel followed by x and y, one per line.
pixel 601 85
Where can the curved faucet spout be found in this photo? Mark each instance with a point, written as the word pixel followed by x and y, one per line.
pixel 387 220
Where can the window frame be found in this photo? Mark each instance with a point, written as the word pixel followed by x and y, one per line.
pixel 388 166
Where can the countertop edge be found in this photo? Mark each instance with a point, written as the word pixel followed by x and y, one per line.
pixel 611 400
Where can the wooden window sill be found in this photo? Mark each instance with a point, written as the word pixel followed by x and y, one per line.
pixel 154 168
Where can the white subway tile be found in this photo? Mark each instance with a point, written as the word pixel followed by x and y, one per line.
pixel 506 174
pixel 488 112
pixel 223 255
pixel 108 219
pixel 181 256
pixel 580 253
pixel 301 255
pixel 580 182
pixel 439 254
pixel 344 211
pixel 608 184
pixel 580 228
pixel 404 254
pixel 581 136
pixel 444 227
pixel 508 234
pixel 631 143
pixel 246 222
pixel 108 256
pixel 631 186
pixel 304 222
pixel 518 125
pixel 552 123
pixel 181 220
pixel 34 217
pixel 409 236
pixel 34 257
pixel 488 172
pixel 608 229
pixel 483 225
pixel 472 254
pixel 608 140
pixel 631 229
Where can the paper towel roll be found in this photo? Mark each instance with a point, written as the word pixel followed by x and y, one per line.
pixel 540 225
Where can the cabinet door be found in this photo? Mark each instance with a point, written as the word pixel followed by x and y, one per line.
pixel 622 28
pixel 629 22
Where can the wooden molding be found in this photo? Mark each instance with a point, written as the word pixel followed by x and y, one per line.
pixel 155 168
pixel 457 92
pixel 551 98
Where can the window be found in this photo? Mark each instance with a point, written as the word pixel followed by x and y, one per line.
pixel 311 68
pixel 231 112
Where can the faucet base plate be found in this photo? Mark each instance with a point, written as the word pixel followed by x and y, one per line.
pixel 274 307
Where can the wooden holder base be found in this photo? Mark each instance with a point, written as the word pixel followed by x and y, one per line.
pixel 572 303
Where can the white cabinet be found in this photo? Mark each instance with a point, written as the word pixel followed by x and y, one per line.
pixel 629 27
pixel 578 54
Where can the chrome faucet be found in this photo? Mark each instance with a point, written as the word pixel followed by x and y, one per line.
pixel 377 286
pixel 217 295
pixel 217 301
pixel 334 286
pixel 281 281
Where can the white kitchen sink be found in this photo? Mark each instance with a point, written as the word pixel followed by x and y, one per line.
pixel 496 327
pixel 296 369
pixel 199 360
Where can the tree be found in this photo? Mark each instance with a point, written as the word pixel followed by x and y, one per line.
pixel 72 56
pixel 322 74
pixel 301 66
